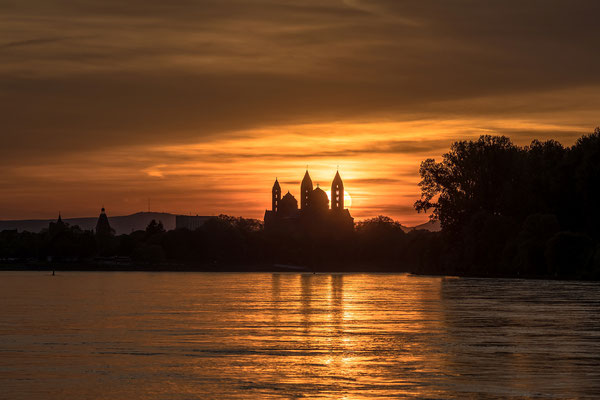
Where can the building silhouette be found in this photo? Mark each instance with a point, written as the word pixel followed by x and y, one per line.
pixel 102 226
pixel 57 227
pixel 314 214
pixel 191 222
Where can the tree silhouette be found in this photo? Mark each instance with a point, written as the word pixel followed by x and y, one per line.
pixel 506 209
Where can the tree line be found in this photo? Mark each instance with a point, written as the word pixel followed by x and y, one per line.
pixel 221 242
pixel 516 211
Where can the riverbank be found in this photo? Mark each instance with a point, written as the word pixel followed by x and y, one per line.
pixel 249 268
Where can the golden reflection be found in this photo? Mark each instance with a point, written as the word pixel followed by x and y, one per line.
pixel 275 299
pixel 289 335
pixel 337 302
pixel 345 322
pixel 336 357
pixel 305 282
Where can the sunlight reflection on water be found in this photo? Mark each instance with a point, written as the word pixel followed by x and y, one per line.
pixel 202 335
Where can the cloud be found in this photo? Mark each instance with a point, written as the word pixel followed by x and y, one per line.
pixel 33 42
pixel 362 147
pixel 177 72
pixel 389 210
pixel 374 181
pixel 102 77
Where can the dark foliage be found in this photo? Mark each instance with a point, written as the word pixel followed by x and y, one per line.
pixel 224 241
pixel 517 211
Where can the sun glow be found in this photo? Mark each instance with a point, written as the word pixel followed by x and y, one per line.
pixel 378 163
pixel 347 198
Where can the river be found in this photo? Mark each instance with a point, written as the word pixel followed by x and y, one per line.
pixel 134 335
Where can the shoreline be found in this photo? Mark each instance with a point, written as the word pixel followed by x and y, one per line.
pixel 260 268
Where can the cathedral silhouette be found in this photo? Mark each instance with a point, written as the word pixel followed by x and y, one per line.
pixel 314 214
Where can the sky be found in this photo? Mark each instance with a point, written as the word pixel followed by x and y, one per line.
pixel 195 107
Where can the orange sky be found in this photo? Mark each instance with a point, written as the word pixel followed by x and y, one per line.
pixel 198 106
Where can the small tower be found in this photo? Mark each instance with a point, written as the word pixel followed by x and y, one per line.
pixel 57 227
pixel 337 193
pixel 275 196
pixel 60 225
pixel 102 226
pixel 306 189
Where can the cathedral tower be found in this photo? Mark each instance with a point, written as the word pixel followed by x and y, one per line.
pixel 337 193
pixel 306 189
pixel 275 196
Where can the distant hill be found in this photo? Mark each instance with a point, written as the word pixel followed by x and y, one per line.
pixel 121 224
pixel 431 226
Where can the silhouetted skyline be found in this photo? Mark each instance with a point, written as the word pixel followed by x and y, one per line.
pixel 504 211
pixel 315 214
pixel 194 104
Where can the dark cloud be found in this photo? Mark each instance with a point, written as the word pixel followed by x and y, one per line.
pixel 367 148
pixel 32 42
pixel 525 136
pixel 374 181
pixel 359 181
pixel 185 70
pixel 389 209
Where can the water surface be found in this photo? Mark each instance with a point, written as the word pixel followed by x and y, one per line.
pixel 130 335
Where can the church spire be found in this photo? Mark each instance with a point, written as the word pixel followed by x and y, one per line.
pixel 306 188
pixel 275 196
pixel 337 193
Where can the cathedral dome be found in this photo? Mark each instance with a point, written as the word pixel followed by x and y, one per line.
pixel 288 204
pixel 289 197
pixel 319 199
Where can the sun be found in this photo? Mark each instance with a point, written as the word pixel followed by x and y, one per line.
pixel 347 198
